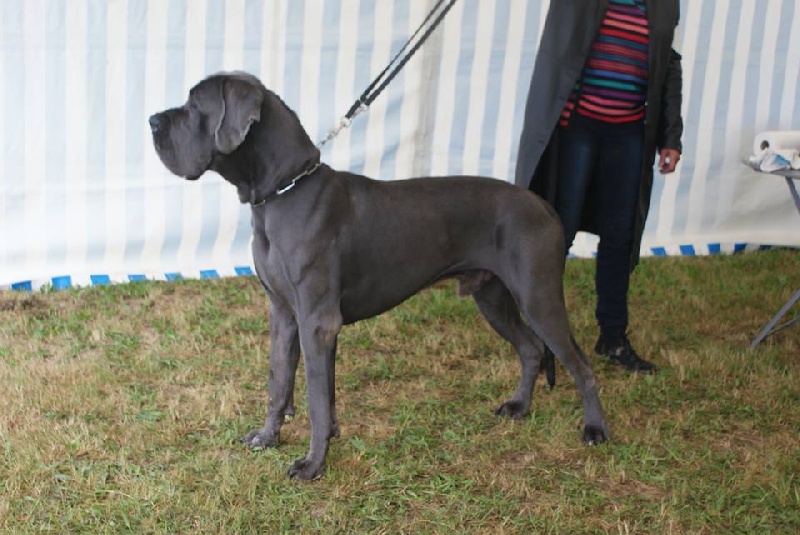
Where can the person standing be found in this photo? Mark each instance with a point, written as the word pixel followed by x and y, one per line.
pixel 605 97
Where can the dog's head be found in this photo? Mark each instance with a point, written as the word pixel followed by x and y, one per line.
pixel 215 120
pixel 235 126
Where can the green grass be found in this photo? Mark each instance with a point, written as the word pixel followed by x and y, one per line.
pixel 121 410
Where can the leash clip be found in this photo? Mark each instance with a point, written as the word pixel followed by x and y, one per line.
pixel 386 76
pixel 344 122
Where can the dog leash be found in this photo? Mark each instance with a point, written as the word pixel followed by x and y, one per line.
pixel 382 80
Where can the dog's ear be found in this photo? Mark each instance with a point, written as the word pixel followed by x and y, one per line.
pixel 241 107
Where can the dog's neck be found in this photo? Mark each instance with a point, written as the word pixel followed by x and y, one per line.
pixel 291 184
pixel 278 161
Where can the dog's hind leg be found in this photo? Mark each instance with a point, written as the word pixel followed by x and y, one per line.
pixel 547 316
pixel 283 360
pixel 498 307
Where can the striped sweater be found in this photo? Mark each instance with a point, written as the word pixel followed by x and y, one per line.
pixel 613 86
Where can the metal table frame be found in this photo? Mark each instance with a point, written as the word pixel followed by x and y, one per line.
pixel 790 176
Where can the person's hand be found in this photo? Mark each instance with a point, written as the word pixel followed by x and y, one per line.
pixel 668 160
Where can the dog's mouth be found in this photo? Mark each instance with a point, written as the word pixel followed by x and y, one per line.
pixel 176 169
pixel 166 152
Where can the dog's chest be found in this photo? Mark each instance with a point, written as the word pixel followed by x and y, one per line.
pixel 282 262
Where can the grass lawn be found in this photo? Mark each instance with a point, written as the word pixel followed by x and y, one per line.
pixel 121 409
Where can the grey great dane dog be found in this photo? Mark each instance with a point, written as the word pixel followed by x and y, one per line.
pixel 332 248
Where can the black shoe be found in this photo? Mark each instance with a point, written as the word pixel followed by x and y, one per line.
pixel 618 349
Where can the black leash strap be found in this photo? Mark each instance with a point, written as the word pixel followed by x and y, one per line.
pixel 387 75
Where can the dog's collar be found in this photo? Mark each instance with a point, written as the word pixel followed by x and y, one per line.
pixel 280 191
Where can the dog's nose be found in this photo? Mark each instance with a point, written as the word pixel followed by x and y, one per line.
pixel 155 123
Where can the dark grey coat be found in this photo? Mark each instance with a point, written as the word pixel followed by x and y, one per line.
pixel 570 28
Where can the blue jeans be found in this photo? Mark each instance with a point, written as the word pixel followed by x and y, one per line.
pixel 609 157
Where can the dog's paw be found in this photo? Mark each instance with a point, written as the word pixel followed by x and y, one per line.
pixel 512 409
pixel 593 435
pixel 305 470
pixel 261 438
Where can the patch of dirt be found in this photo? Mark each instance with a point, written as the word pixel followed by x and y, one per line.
pixel 15 303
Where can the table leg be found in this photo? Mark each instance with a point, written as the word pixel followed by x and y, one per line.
pixel 793 190
pixel 770 328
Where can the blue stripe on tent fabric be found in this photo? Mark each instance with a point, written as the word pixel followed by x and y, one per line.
pixel 215 36
pixel 251 62
pixel 494 85
pixel 714 248
pixel 135 117
pixel 329 64
pixel 12 164
pixel 210 224
pixel 394 93
pixel 715 179
pixel 784 30
pixel 209 274
pixel 658 251
pixel 691 143
pixel 23 286
pixel 791 7
pixel 687 250
pixel 756 29
pixel 137 278
pixel 293 53
pixel 243 270
pixel 464 66
pixel 96 62
pixel 796 117
pixel 174 93
pixel 176 62
pixel 253 35
pixel 363 77
pixel 527 58
pixel 61 283
pixel 55 136
pixel 100 280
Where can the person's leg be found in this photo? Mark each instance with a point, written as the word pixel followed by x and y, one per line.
pixel 618 177
pixel 577 157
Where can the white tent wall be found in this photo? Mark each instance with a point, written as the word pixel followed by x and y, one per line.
pixel 84 199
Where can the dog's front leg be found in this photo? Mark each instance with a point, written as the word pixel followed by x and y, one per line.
pixel 318 340
pixel 283 360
